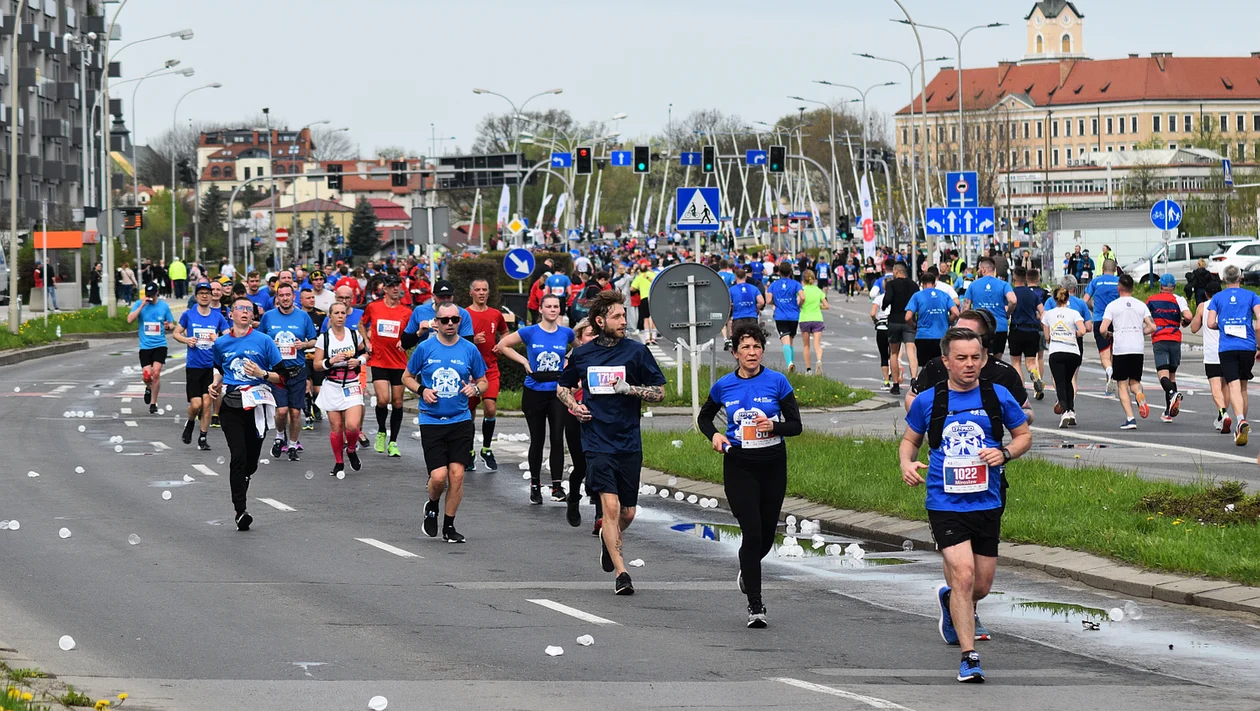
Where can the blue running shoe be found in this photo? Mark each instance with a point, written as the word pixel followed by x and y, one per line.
pixel 946 624
pixel 982 632
pixel 969 671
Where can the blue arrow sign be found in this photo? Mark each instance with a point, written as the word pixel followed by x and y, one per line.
pixel 962 189
pixel 697 209
pixel 959 221
pixel 561 160
pixel 519 263
pixel 622 159
pixel 688 158
pixel 1166 215
pixel 755 157
pixel 1228 167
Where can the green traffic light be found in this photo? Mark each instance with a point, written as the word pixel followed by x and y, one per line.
pixel 642 167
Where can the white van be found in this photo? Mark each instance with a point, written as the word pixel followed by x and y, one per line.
pixel 1179 256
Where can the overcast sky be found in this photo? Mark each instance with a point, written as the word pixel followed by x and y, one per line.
pixel 389 68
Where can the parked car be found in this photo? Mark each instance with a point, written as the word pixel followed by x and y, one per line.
pixel 1178 256
pixel 1238 254
pixel 1251 274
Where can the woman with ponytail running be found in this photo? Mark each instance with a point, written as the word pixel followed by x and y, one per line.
pixel 339 355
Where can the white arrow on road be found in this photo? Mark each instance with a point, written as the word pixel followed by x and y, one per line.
pixel 952 218
pixel 520 265
pixel 967 217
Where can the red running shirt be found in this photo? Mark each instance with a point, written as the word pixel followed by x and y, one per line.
pixel 491 323
pixel 386 324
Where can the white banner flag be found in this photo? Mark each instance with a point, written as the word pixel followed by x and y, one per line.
pixel 669 216
pixel 564 200
pixel 647 216
pixel 543 209
pixel 868 220
pixel 634 209
pixel 769 201
pixel 505 206
pixel 595 214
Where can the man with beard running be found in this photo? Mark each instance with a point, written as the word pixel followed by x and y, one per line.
pixel 616 374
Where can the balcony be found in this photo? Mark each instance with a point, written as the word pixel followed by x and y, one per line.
pixel 76 136
pixel 27 76
pixel 94 23
pixel 115 107
pixel 72 172
pixel 34 165
pixel 53 170
pixel 33 209
pixel 115 70
pixel 29 34
pixel 55 128
pixel 69 91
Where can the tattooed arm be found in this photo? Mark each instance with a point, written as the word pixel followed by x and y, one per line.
pixel 565 396
pixel 646 393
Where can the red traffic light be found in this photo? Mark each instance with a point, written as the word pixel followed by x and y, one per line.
pixel 582 152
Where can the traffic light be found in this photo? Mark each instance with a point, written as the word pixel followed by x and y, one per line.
pixel 308 243
pixel 583 160
pixel 842 227
pixel 186 175
pixel 398 173
pixel 334 181
pixel 710 159
pixel 1025 226
pixel 642 159
pixel 778 158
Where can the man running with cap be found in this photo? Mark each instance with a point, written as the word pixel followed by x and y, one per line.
pixel 155 319
pixel 198 328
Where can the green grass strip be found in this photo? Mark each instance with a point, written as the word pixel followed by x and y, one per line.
pixel 93 320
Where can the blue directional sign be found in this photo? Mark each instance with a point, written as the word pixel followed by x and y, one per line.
pixel 959 221
pixel 519 263
pixel 698 209
pixel 1166 215
pixel 962 189
pixel 1228 167
pixel 561 160
pixel 622 159
pixel 755 157
pixel 689 158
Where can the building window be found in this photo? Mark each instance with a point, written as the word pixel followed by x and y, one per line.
pixel 1080 127
pixel 247 173
pixel 1255 122
pixel 1014 158
pixel 1067 127
pixel 953 134
pixel 1111 148
pixel 214 172
pixel 1025 130
pixel 227 171
pixel 905 135
pixel 1054 129
pixel 1187 123
pixel 1155 120
pixel 279 169
pixel 1242 152
pixel 1223 124
pixel 1255 152
pixel 1122 123
pixel 1122 148
pixel 1133 124
pixel 916 135
pixel 1172 123
pixel 1069 155
pixel 1039 129
pixel 1240 123
pixel 1110 125
pixel 1065 44
pixel 1054 157
pixel 1027 162
pixel 1039 46
pixel 260 171
pixel 1172 146
pixel 1093 124
pixel 1040 158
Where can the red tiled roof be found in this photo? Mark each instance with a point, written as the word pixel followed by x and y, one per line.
pixel 1071 82
pixel 388 210
pixel 378 181
pixel 308 206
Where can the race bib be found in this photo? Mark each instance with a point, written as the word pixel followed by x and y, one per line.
pixel 1236 331
pixel 205 338
pixel 351 389
pixel 388 329
pixel 750 438
pixel 965 475
pixel 256 395
pixel 152 328
pixel 558 290
pixel 600 378
pixel 288 351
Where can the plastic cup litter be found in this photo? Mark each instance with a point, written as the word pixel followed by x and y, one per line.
pixel 1115 614
pixel 907 546
pixel 64 533
pixel 82 428
pixel 378 703
pixel 310 474
pixel 133 539
pixel 166 496
pixel 78 470
pixel 66 643
pixel 118 448
pixel 586 640
pixel 554 651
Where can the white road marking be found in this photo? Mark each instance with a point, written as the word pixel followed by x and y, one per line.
pixel 827 344
pixel 205 470
pixel 871 701
pixel 62 389
pixel 126 399
pixel 1151 445
pixel 388 548
pixel 277 505
pixel 124 410
pixel 869 355
pixel 159 446
pixel 572 612
pixel 130 423
pixel 846 350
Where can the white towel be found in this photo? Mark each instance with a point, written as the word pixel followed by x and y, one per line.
pixel 264 415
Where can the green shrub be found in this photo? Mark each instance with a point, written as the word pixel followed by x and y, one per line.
pixel 462 273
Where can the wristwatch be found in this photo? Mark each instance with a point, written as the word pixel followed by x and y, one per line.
pixel 1006 454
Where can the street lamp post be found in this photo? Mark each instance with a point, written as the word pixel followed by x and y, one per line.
pixel 13 173
pixel 135 169
pixel 864 115
pixel 515 110
pixel 316 242
pixel 174 155
pixel 296 227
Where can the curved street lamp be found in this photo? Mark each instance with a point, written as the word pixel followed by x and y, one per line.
pixel 174 114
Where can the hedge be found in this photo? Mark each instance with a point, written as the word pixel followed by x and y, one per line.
pixel 462 272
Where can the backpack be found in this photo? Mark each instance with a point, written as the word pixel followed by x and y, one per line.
pixel 354 339
pixel 940 410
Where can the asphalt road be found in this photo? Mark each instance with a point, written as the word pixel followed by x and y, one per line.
pixel 342 598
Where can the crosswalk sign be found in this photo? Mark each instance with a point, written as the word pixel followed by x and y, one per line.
pixel 697 209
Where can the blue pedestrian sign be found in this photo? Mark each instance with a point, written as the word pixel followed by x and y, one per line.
pixel 519 263
pixel 561 160
pixel 698 209
pixel 962 189
pixel 574 235
pixel 622 159
pixel 1166 215
pixel 1228 167
pixel 756 157
pixel 959 221
pixel 689 158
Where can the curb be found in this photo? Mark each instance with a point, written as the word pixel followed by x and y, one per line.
pixel 99 336
pixel 868 405
pixel 1088 569
pixel 22 355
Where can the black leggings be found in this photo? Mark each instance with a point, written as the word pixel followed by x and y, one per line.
pixel 573 438
pixel 245 445
pixel 755 487
pixel 543 408
pixel 1063 366
pixel 881 341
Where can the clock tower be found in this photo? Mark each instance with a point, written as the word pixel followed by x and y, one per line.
pixel 1055 31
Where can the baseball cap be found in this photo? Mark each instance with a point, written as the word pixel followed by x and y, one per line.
pixel 391 280
pixel 317 274
pixel 443 288
pixel 151 288
pixel 1168 280
pixel 202 286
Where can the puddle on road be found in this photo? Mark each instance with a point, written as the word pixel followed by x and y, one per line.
pixel 1055 610
pixel 168 484
pixel 1064 444
pixel 731 535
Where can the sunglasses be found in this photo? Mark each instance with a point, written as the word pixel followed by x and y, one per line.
pixel 448 319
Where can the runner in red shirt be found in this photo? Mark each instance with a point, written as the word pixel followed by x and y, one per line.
pixel 352 282
pixel 488 327
pixel 382 326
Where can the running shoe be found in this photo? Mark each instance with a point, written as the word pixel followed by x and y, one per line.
pixel 472 463
pixel 1111 386
pixel 599 523
pixel 605 560
pixel 381 440
pixel 1240 437
pixel 791 367
pixel 1058 408
pixel 243 521
pixel 1071 421
pixel 982 632
pixel 1039 387
pixel 308 423
pixel 1166 418
pixel 277 447
pixel 757 617
pixel 353 456
pixel 1063 420
pixel 1218 425
pixel 487 458
pixel 727 345
pixel 294 455
pixel 153 410
pixel 214 422
pixel 1143 409
pixel 319 414
pixel 535 495
pixel 202 444
pixel 337 469
pixel 809 371
pixel 430 519
pixel 623 585
pixel 1227 425
pixel 895 389
pixel 148 394
pixel 363 440
pixel 1129 424
pixel 188 430
pixel 946 622
pixel 392 450
pixel 885 386
pixel 574 514
pixel 1174 405
pixel 558 493
pixel 450 535
pixel 969 671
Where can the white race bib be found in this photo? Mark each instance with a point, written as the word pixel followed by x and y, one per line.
pixel 351 389
pixel 388 329
pixel 750 438
pixel 152 328
pixel 600 378
pixel 205 338
pixel 256 395
pixel 1236 330
pixel 288 351
pixel 965 475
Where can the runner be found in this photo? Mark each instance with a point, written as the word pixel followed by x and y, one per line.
pixel 1212 358
pixel 421 321
pixel 897 294
pixel 1233 312
pixel 1025 330
pixel 782 295
pixel 198 328
pixel 292 330
pixel 1099 294
pixel 641 286
pixel 339 358
pixel 746 303
pixel 812 300
pixel 558 284
pixel 582 334
pixel 1129 322
pixel 381 330
pixel 994 295
pixel 445 371
pixel 879 317
pixel 244 363
pixel 616 374
pixel 760 410
pixel 965 470
pixel 930 312
pixel 1043 296
pixel 545 346
pixel 488 326
pixel 259 296
pixel 155 319
pixel 1078 305
pixel 324 297
pixel 1064 328
pixel 1170 312
pixel 312 412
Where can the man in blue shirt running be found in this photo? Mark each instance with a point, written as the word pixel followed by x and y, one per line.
pixel 198 329
pixel 746 304
pixel 1233 312
pixel 1101 291
pixel 155 319
pixel 931 311
pixel 994 295
pixel 787 312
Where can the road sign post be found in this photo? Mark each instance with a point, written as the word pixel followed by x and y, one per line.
pixel 697 209
pixel 695 321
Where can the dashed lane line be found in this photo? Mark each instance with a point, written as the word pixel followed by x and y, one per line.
pixel 872 701
pixel 1150 445
pixel 278 505
pixel 160 446
pixel 130 423
pixel 205 470
pixel 388 548
pixel 572 612
pixel 124 410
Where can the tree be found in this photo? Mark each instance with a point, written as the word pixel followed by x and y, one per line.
pixel 391 152
pixel 332 144
pixel 496 132
pixel 363 239
pixel 213 211
pixel 1143 180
